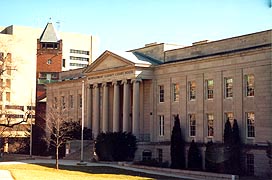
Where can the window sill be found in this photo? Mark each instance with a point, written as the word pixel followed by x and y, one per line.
pixel 228 98
pixel 250 138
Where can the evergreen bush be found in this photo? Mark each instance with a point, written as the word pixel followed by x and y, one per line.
pixel 115 146
pixel 177 146
pixel 194 157
pixel 232 148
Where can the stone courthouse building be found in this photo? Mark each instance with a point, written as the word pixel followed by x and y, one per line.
pixel 141 90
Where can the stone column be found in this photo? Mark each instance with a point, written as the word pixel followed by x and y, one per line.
pixel 116 109
pixel 89 107
pixel 96 111
pixel 126 106
pixel 136 108
pixel 105 125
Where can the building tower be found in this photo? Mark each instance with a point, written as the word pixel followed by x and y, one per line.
pixel 49 59
pixel 49 65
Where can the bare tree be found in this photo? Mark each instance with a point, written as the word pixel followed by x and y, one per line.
pixel 57 129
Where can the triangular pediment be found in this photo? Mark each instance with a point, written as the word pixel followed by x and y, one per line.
pixel 108 61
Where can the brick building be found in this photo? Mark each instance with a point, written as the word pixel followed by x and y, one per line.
pixel 20 43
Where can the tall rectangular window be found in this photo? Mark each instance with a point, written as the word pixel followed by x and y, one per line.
pixel 228 87
pixel 160 156
pixel 192 90
pixel 210 88
pixel 71 101
pixel 80 100
pixel 210 119
pixel 192 123
pixel 250 124
pixel 161 125
pixel 229 115
pixel 63 102
pixel 161 97
pixel 175 92
pixel 250 164
pixel 63 63
pixel 250 85
pixel 7 96
pixel 55 103
pixel 8 83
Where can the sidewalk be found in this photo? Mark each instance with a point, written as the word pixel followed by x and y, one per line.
pixel 5 175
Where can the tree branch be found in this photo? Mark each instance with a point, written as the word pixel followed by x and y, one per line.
pixel 8 125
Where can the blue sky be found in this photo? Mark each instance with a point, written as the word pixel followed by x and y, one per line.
pixel 129 24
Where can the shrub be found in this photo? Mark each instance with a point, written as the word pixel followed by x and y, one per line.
pixel 232 148
pixel 177 146
pixel 115 146
pixel 194 157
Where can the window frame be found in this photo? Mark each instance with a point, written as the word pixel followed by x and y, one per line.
pixel 192 125
pixel 192 90
pixel 210 127
pixel 209 89
pixel 55 102
pixel 161 125
pixel 228 87
pixel 227 115
pixel 161 93
pixel 8 96
pixel 49 61
pixel 42 75
pixel 176 88
pixel 80 101
pixel 250 127
pixel 250 88
pixel 63 105
pixel 160 155
pixel 71 101
pixel 250 160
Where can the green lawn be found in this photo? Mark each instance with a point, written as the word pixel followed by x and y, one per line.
pixel 47 172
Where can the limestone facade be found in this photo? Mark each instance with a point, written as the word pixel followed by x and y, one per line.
pixel 204 84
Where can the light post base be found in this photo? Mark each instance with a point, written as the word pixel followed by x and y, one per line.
pixel 82 163
pixel 30 158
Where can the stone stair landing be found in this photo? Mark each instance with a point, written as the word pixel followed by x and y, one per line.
pixel 73 150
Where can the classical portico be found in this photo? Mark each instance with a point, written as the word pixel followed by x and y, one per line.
pixel 114 83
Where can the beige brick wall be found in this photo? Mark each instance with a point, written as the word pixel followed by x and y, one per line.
pixel 236 65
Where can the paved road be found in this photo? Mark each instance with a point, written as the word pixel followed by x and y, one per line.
pixel 74 163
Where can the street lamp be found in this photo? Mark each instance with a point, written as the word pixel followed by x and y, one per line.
pixel 31 121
